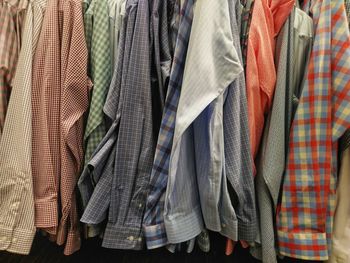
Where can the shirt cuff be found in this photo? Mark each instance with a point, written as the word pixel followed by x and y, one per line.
pixel 155 236
pixel 306 246
pixel 17 241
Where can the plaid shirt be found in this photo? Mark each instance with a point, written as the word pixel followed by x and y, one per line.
pixel 101 70
pixel 304 219
pixel 10 23
pixel 153 220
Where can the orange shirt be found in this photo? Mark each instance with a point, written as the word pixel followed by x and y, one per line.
pixel 267 19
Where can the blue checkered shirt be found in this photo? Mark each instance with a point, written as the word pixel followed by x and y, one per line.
pixel 153 225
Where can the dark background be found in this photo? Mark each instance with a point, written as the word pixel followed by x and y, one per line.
pixel 44 251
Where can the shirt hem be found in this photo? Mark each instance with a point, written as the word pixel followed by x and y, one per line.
pixel 185 227
pixel 306 246
pixel 155 235
pixel 123 237
pixel 18 241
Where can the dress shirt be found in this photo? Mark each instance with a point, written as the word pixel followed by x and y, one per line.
pixel 74 102
pixel 101 73
pixel 153 225
pixel 10 17
pixel 100 199
pixel 238 161
pixel 198 153
pixel 293 48
pixel 126 166
pixel 46 85
pixel 341 226
pixel 305 217
pixel 16 189
pixel 268 18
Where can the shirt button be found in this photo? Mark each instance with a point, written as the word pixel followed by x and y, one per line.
pixel 140 205
pixel 223 225
pixel 139 239
pixel 131 238
pixel 14 239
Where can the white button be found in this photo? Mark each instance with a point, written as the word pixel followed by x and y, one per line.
pixel 14 239
pixel 140 205
pixel 131 238
pixel 223 225
pixel 139 239
pixel 14 205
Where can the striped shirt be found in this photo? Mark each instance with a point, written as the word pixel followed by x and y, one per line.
pixel 16 190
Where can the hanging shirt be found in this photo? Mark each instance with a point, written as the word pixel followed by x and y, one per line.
pixel 46 152
pixel 74 103
pixel 10 30
pixel 16 189
pixel 305 218
pixel 267 19
pixel 198 151
pixel 293 47
pixel 101 74
pixel 153 226
pixel 126 154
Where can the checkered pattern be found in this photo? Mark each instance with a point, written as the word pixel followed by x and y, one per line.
pixel 74 103
pixel 304 219
pixel 153 220
pixel 238 161
pixel 46 87
pixel 101 73
pixel 9 49
pixel 16 190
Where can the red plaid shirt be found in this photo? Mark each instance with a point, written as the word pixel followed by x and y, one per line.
pixel 305 217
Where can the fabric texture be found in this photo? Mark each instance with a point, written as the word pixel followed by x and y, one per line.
pixel 128 147
pixel 305 217
pixel 59 100
pixel 16 188
pixel 74 103
pixel 293 48
pixel 11 17
pixel 46 124
pixel 341 229
pixel 153 225
pixel 238 161
pixel 101 74
pixel 268 18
